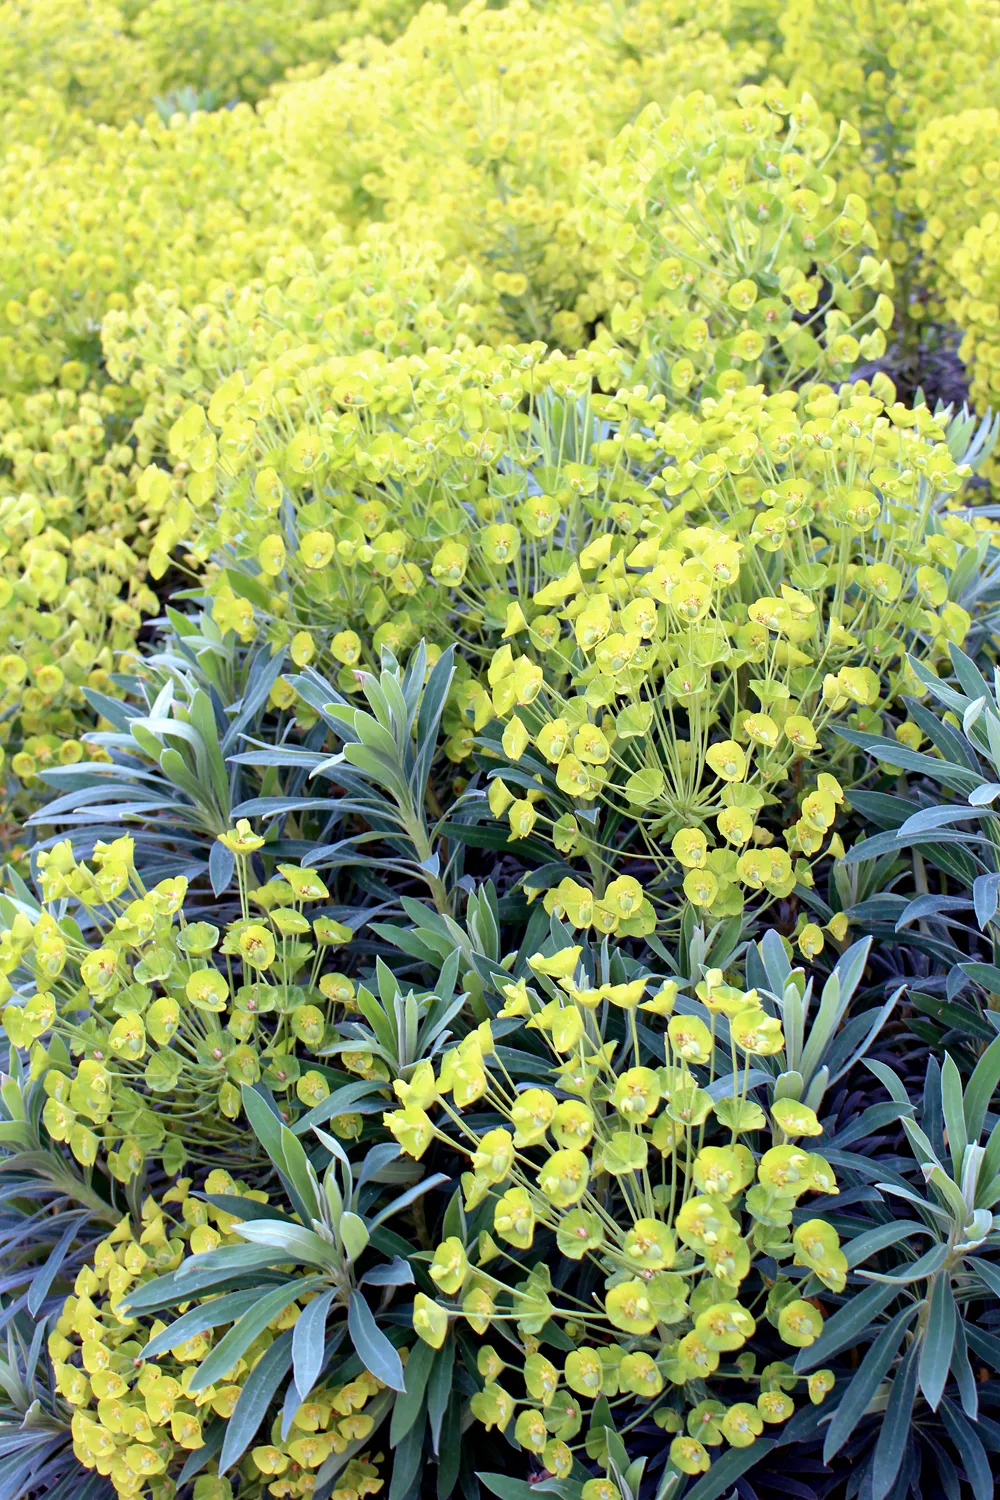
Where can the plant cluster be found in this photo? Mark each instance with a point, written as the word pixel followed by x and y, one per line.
pixel 500 912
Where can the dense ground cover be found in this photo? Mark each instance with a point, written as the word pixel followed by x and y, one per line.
pixel 499 589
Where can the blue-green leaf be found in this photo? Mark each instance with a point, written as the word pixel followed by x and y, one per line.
pixel 309 1343
pixel 256 1396
pixel 372 1346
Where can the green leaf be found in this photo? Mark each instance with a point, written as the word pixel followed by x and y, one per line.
pixel 256 1396
pixel 439 1389
pixel 855 1400
pixel 232 1261
pixel 354 1234
pixel 938 1340
pixel 296 1243
pixel 987 1273
pixel 894 1434
pixel 410 1402
pixel 977 1466
pixel 235 1343
pixel 846 1324
pixel 451 1447
pixel 406 1462
pixel 309 1343
pixel 953 1110
pixel 728 1468
pixel 880 1238
pixel 980 1089
pixel 509 1488
pixel 372 1346
pixel 225 1309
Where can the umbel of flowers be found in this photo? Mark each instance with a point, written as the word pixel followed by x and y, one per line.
pixel 662 1178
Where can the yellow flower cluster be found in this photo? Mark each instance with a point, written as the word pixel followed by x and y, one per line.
pixel 956 190
pixel 150 1008
pixel 643 1172
pixel 890 69
pixel 747 261
pixel 136 1421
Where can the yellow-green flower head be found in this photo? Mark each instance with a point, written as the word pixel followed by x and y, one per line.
pixel 514 1218
pixel 820 1384
pixel 638 1373
pixel 494 1156
pixel 727 760
pixel 531 1114
pixel 725 1326
pixel 775 1406
pixel 420 1089
pixel 563 1178
pixel 430 1320
pixel 450 1266
pixel 690 848
pixel 256 944
pixel 600 1489
pixel 478 1308
pixel 704 1221
pixel 207 989
pixel 128 1037
pixel 584 1372
pixel 795 1118
pixel 553 740
pixel 242 839
pixel 560 965
pixel 541 1378
pixel 412 1129
pixel 800 1324
pixel 637 1094
pixel 493 1407
pixel 757 1033
pixel 817 1246
pixel 718 1171
pixel 572 1124
pixel 690 1038
pixel 628 1307
pixel 786 1169
pixel 578 1232
pixel 649 1245
pixel 742 1424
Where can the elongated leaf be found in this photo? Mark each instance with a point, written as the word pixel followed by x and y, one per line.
pixel 46 1274
pixel 256 1396
pixel 225 1309
pixel 975 1462
pixel 509 1488
pixel 410 1402
pixel 233 1345
pixel 406 1462
pixel 855 1400
pixel 980 1089
pixel 309 1343
pixel 372 1346
pixel 938 1341
pixel 846 1325
pixel 880 1238
pixel 439 1389
pixel 894 1434
pixel 190 1280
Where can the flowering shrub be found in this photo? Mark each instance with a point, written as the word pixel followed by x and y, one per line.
pixel 529 399
pixel 642 1171
pixel 748 264
pixel 138 1413
pixel 144 1021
